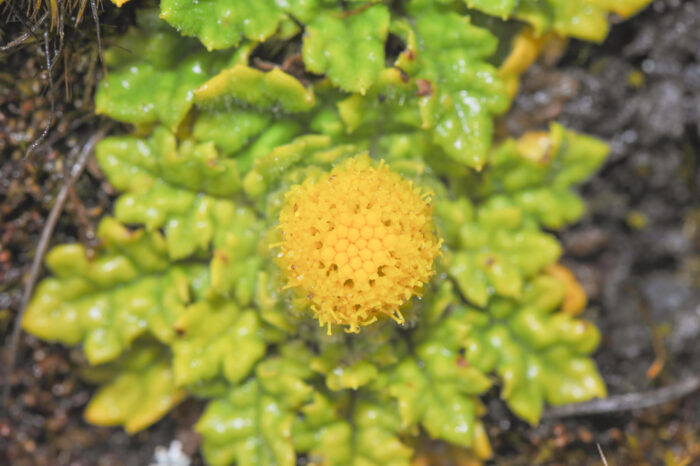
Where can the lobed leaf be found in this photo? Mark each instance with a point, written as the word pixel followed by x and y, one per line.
pixel 223 23
pixel 437 388
pixel 108 301
pixel 538 352
pixel 129 95
pixel 141 391
pixel 187 190
pixel 442 84
pixel 248 86
pixel 348 46
pixel 154 75
pixel 216 339
pixel 537 172
pixel 359 365
pixel 495 250
pixel 269 170
pixel 366 436
pixel 583 19
pixel 252 424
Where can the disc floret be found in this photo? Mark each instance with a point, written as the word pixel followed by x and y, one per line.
pixel 358 243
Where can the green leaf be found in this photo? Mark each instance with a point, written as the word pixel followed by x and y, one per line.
pixel 465 91
pixel 217 339
pixel 583 19
pixel 153 41
pixel 368 438
pixel 496 250
pixel 244 85
pixel 187 189
pixel 142 94
pixel 539 353
pixel 269 170
pixel 252 425
pixel 231 130
pixel 437 388
pixel 536 174
pixel 141 391
pixel 441 84
pixel 357 365
pixel 389 105
pixel 270 300
pixel 108 301
pixel 154 75
pixel 500 8
pixel 221 24
pixel 559 159
pixel 238 259
pixel 247 427
pixel 348 46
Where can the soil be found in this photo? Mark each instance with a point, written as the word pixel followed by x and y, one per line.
pixel 637 251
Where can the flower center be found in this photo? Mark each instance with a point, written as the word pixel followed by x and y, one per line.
pixel 358 243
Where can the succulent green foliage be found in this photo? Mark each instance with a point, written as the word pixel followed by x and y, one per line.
pixel 194 302
pixel 460 92
pixel 583 19
pixel 236 262
pixel 216 338
pixel 248 427
pixel 536 174
pixel 268 171
pixel 496 251
pixel 230 131
pixel 252 424
pixel 436 387
pixel 186 190
pixel 252 87
pixel 348 46
pixel 154 76
pixel 539 354
pixel 137 390
pixel 384 105
pixel 108 301
pixel 441 84
pixel 500 8
pixel 360 364
pixel 366 436
pixel 221 24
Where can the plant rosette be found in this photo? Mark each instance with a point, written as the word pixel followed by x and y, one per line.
pixel 336 260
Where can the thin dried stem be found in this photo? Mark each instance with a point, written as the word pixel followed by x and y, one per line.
pixel 628 401
pixel 52 99
pixel 75 172
pixel 24 36
pixel 602 455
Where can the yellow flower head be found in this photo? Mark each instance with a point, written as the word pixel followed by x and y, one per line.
pixel 358 243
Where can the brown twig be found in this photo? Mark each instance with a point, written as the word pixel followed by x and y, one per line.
pixel 628 401
pixel 42 246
